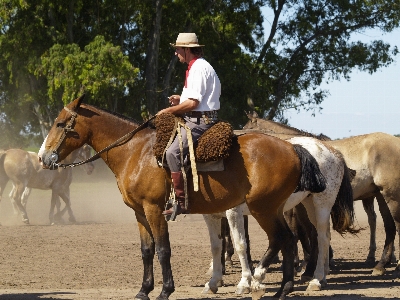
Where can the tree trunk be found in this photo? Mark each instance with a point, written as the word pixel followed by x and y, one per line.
pixel 152 60
pixel 70 21
pixel 44 126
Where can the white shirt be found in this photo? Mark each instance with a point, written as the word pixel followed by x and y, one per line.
pixel 203 85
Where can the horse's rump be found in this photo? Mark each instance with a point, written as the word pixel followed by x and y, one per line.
pixel 213 145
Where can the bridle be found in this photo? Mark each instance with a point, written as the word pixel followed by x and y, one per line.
pixel 69 128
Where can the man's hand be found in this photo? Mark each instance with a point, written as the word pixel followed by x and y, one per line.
pixel 174 100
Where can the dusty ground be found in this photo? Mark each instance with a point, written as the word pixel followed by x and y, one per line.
pixel 99 257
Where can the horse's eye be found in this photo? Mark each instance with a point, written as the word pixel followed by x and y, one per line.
pixel 61 124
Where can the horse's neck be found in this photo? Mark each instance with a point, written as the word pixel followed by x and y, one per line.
pixel 106 129
pixel 277 127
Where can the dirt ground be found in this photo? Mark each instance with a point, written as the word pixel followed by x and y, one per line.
pixel 99 257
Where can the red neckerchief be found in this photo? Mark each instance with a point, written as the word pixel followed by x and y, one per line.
pixel 188 69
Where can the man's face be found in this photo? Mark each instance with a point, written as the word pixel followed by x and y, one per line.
pixel 180 52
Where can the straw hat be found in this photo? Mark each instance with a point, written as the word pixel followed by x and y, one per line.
pixel 186 39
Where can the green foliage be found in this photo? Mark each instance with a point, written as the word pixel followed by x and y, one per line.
pixel 52 51
pixel 101 70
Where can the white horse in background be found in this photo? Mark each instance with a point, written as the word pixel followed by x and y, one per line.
pixel 336 198
pixel 25 172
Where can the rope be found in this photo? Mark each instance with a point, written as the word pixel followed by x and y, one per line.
pixel 191 155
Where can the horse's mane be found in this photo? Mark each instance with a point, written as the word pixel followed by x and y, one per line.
pixel 118 115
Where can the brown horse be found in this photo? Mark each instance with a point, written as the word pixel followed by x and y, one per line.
pixel 25 172
pixel 261 169
pixel 375 158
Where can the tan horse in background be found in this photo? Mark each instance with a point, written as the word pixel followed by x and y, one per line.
pixel 376 159
pixel 261 169
pixel 25 172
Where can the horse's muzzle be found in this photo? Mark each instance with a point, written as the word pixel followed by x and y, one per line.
pixel 49 161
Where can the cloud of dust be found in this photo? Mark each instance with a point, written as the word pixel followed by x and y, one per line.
pixel 94 198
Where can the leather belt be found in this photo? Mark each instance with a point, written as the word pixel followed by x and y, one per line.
pixel 200 114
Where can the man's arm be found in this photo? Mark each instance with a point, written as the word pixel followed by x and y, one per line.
pixel 180 109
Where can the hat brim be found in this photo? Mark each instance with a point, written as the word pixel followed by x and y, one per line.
pixel 186 45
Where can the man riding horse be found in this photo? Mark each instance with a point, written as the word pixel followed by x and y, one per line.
pixel 198 104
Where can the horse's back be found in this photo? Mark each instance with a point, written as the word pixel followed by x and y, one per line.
pixel 375 157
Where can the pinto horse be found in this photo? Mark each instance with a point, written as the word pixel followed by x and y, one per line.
pixel 335 200
pixel 375 158
pixel 261 169
pixel 25 172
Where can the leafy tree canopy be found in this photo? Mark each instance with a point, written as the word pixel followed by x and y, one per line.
pixel 118 53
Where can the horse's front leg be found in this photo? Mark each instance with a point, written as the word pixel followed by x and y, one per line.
pixel 17 191
pixel 236 223
pixel 154 234
pixel 214 229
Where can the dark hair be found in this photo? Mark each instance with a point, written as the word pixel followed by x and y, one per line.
pixel 197 51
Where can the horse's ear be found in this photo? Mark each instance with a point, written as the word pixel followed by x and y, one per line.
pixel 77 102
pixel 248 114
pixel 80 99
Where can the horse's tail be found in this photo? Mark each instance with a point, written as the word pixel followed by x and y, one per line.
pixel 311 177
pixel 342 212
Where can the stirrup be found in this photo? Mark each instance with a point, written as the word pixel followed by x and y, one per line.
pixel 175 209
pixel 170 204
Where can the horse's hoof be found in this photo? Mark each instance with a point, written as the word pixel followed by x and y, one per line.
pixel 142 296
pixel 378 271
pixel 240 290
pixel 208 290
pixel 72 220
pixel 314 285
pixel 220 283
pixel 286 290
pixel 324 283
pixel 26 221
pixel 162 296
pixel 257 290
pixel 305 278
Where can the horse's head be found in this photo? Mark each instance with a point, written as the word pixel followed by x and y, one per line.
pixel 252 123
pixel 66 135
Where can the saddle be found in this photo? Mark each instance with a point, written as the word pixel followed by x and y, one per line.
pixel 210 150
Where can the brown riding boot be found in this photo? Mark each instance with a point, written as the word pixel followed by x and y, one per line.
pixel 177 181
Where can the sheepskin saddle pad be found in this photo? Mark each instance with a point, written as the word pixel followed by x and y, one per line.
pixel 213 145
